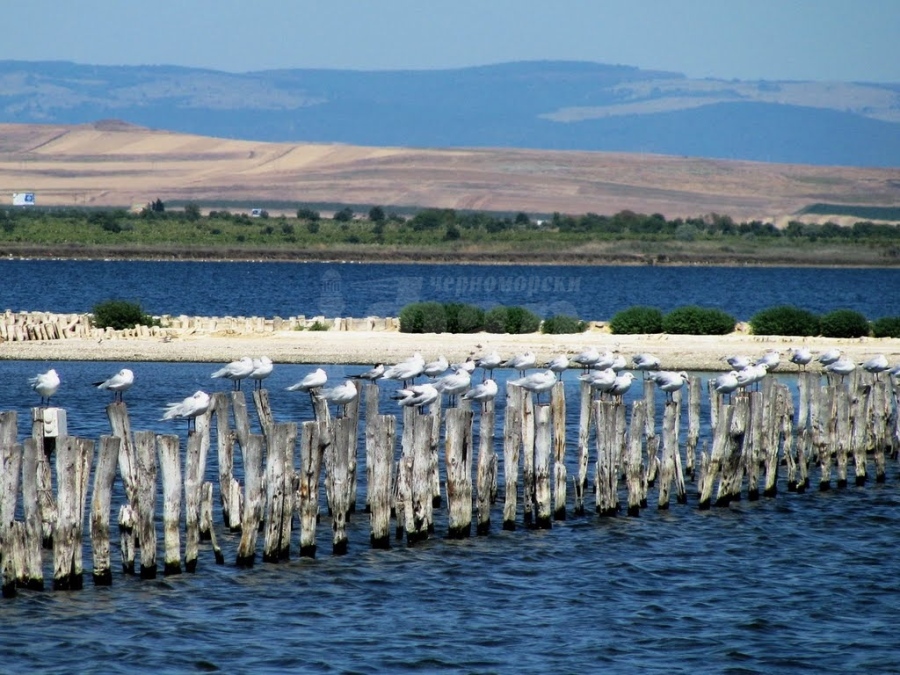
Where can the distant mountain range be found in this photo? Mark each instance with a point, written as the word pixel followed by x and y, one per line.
pixel 541 105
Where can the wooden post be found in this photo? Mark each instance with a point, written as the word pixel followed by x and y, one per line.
pixel 823 429
pixel 128 519
pixel 10 470
pixel 308 491
pixel 718 455
pixel 340 482
pixel 380 431
pixel 527 418
pixel 120 424
pixel 280 493
pixel 634 459
pixel 542 494
pixel 231 512
pixel 881 411
pixel 842 433
pixel 372 394
pixel 755 438
pixel 264 411
pixel 650 430
pixel 168 448
pixel 859 415
pixel 403 483
pixel 31 510
pixel 669 450
pixel 351 412
pixel 560 478
pixel 738 452
pixel 144 445
pixel 487 466
pixel 512 431
pixel 421 491
pixel 253 449
pixel 584 429
pixel 433 465
pixel 458 459
pixel 694 396
pixel 193 481
pixel 46 501
pixel 65 531
pixel 84 448
pixel 206 520
pixel 241 418
pixel 785 424
pixel 606 475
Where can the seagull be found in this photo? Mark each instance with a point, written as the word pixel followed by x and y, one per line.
pixel 405 371
pixel 737 362
pixel 726 383
pixel 829 357
pixel 607 359
pixel 558 364
pixel 235 371
pixel 537 382
pixel 417 396
pixel 314 380
pixel 489 362
pixel 189 408
pixel 262 368
pixel 454 384
pixel 46 384
pixel 521 362
pixel 770 360
pixel 875 365
pixel 618 363
pixel 372 373
pixel 670 382
pixel 587 358
pixel 341 395
pixel 484 392
pixel 841 367
pixel 600 380
pixel 118 383
pixel 622 384
pixel 645 362
pixel 468 365
pixel 436 368
pixel 751 375
pixel 801 356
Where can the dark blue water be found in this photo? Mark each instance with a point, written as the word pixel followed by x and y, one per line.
pixel 792 584
pixel 335 289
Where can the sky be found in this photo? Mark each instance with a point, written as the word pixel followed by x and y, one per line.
pixel 823 40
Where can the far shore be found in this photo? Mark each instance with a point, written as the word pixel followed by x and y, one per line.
pixel 677 352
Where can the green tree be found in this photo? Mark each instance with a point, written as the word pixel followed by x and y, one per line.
pixel 376 214
pixel 345 215
pixel 191 211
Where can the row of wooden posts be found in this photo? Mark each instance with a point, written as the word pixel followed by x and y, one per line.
pixel 751 437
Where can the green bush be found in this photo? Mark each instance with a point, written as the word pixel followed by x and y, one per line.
pixel 463 318
pixel 693 320
pixel 560 323
pixel 844 323
pixel 495 320
pixel 784 320
pixel 637 319
pixel 521 320
pixel 887 326
pixel 119 314
pixel 423 317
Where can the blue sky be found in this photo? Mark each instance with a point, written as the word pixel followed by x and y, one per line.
pixel 745 39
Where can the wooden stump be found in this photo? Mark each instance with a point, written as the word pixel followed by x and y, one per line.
pixel 168 447
pixel 381 428
pixel 308 489
pixel 144 445
pixel 104 476
pixel 252 510
pixel 542 494
pixel 487 467
pixel 512 433
pixel 583 450
pixel 31 510
pixel 458 457
pixel 634 459
pixel 560 477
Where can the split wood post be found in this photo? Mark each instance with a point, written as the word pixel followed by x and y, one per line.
pixel 693 437
pixel 634 473
pixel 168 448
pixel 229 490
pixel 252 452
pixel 512 432
pixel 193 481
pixel 842 433
pixel 104 477
pixel 584 430
pixel 880 414
pixel 308 491
pixel 263 411
pixel 145 455
pixel 420 480
pixel 203 430
pixel 326 440
pixel 736 460
pixel 379 468
pixel 280 493
pixel 65 534
pixel 434 470
pixel 859 415
pixel 31 510
pixel 128 519
pixel 669 450
pixel 718 456
pixel 560 477
pixel 527 418
pixel 10 470
pixel 605 471
pixel 241 418
pixel 120 424
pixel 542 494
pixel 487 466
pixel 403 476
pixel 458 469
pixel 755 437
pixel 84 456
pixel 340 483
pixel 351 412
pixel 650 430
pixel 680 488
pixel 823 432
pixel 785 431
pixel 372 395
pixel 44 476
pixel 206 520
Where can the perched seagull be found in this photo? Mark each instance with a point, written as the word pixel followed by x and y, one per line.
pixel 454 383
pixel 841 367
pixel 770 360
pixel 670 382
pixel 607 359
pixel 235 371
pixel 537 382
pixel 521 362
pixel 189 409
pixel 484 392
pixel 417 396
pixel 621 384
pixel 262 368
pixel 587 358
pixel 737 362
pixel 895 371
pixel 46 384
pixel 726 383
pixel 118 383
pixel 645 362
pixel 314 380
pixel 436 368
pixel 558 364
pixel 468 365
pixel 405 371
pixel 750 375
pixel 875 365
pixel 372 374
pixel 341 395
pixel 489 362
pixel 801 356
pixel 600 380
pixel 829 357
pixel 619 364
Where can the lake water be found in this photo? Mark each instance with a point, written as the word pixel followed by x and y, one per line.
pixel 784 585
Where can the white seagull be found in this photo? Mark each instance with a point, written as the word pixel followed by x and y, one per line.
pixel 341 394
pixel 751 375
pixel 645 362
pixel 437 367
pixel 770 360
pixel 621 384
pixel 842 367
pixel 417 396
pixel 468 365
pixel 313 380
pixel 190 408
pixel 407 370
pixel 587 358
pixel 669 381
pixel 537 382
pixel 607 359
pixel 262 368
pixel 558 364
pixel 600 380
pixel 801 356
pixel 484 392
pixel 829 357
pixel 454 383
pixel 118 383
pixel 46 384
pixel 737 361
pixel 489 362
pixel 521 362
pixel 619 363
pixel 235 371
pixel 726 383
pixel 875 365
pixel 372 374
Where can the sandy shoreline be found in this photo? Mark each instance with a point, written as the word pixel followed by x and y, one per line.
pixel 687 352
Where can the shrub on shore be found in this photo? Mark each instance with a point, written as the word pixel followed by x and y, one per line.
pixel 423 317
pixel 561 323
pixel 844 323
pixel 693 320
pixel 784 320
pixel 887 326
pixel 463 318
pixel 121 314
pixel 637 319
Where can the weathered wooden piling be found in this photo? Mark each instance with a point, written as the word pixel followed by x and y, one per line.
pixel 252 510
pixel 10 471
pixel 66 527
pixel 31 511
pixel 693 437
pixel 206 521
pixel 583 450
pixel 168 447
pixel 878 439
pixel 634 469
pixel 512 434
pixel 241 418
pixel 41 419
pixel 128 536
pixel 560 477
pixel 542 493
pixel 434 475
pixel 650 431
pixel 458 460
pixel 605 473
pixel 487 468
pixel 379 468
pixel 339 478
pixel 842 433
pixel 719 454
pixel 280 493
pixel 738 455
pixel 229 489
pixel 120 424
pixel 859 428
pixel 372 395
pixel 193 481
pixel 145 456
pixel 402 493
pixel 307 498
pixel 752 440
pixel 669 450
pixel 104 476
pixel 527 454
pixel 351 412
